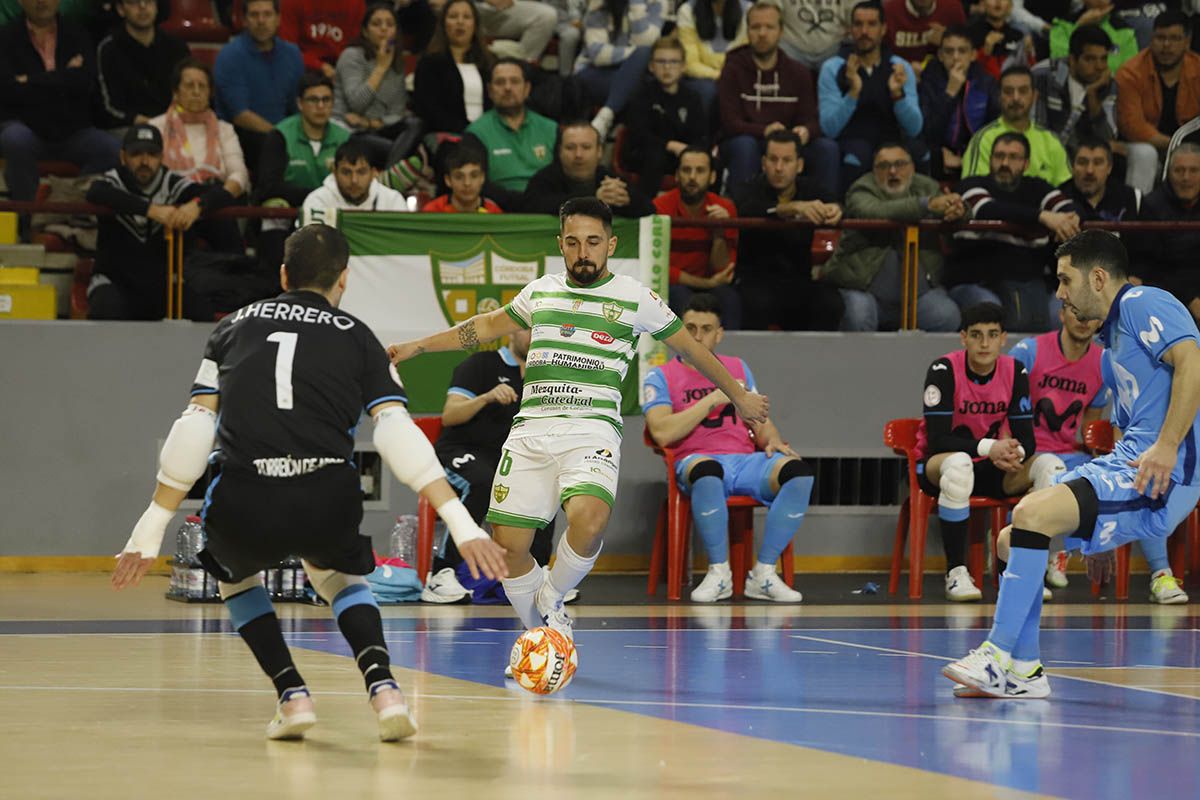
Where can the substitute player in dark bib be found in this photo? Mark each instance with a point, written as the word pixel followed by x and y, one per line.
pixel 1142 490
pixel 976 436
pixel 290 379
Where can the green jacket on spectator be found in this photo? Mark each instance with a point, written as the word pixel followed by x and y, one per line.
pixel 1124 41
pixel 288 168
pixel 859 255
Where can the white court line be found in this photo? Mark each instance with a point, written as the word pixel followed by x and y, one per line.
pixel 646 646
pixel 515 698
pixel 1058 676
pixel 818 652
pixel 732 649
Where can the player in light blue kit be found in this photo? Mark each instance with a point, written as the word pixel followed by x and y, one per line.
pixel 1142 490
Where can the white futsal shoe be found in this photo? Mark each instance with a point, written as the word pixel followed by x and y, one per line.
pixel 1033 686
pixel 717 584
pixel 550 607
pixel 1056 570
pixel 959 586
pixel 983 669
pixel 293 715
pixel 395 720
pixel 443 587
pixel 763 584
pixel 1166 589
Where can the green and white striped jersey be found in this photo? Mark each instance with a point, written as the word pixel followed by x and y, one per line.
pixel 583 341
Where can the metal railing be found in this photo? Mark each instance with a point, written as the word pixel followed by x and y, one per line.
pixel 911 243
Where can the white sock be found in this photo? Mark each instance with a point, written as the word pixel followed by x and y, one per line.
pixel 1025 668
pixel 522 591
pixel 569 568
pixel 721 566
pixel 763 569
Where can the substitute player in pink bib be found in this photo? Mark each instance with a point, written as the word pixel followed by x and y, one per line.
pixel 976 436
pixel 718 457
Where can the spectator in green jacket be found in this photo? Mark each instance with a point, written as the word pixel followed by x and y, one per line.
pixel 866 267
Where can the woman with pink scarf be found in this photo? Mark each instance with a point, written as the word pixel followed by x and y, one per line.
pixel 195 143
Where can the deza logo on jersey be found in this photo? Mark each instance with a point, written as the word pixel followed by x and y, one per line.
pixel 602 337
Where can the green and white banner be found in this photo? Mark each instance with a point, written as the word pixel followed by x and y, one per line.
pixel 415 274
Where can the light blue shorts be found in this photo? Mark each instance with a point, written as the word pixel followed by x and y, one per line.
pixel 746 474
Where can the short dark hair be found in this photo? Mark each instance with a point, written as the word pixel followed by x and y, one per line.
pixel 310 80
pixel 1088 36
pixel 575 123
pixel 1169 19
pixel 512 62
pixel 1011 136
pixel 246 5
pixel 958 31
pixel 315 256
pixel 352 151
pixel 1092 143
pixel 586 207
pixel 696 149
pixel 982 314
pixel 196 64
pixel 463 153
pixel 704 303
pixel 869 5
pixel 784 136
pixel 1096 248
pixel 1017 69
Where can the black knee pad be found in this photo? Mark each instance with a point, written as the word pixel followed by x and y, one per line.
pixel 1089 506
pixel 794 469
pixel 706 469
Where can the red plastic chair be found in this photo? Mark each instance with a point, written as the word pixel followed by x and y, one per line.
pixel 1183 550
pixel 196 21
pixel 671 534
pixel 901 436
pixel 426 513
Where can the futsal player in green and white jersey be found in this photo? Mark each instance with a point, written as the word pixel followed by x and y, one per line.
pixel 564 446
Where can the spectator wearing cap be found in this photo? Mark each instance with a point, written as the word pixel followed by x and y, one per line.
pixel 135 65
pixel 47 80
pixel 129 279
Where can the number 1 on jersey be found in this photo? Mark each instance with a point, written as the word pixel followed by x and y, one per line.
pixel 283 367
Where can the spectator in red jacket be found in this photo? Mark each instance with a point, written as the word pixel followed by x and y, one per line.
pixel 915 27
pixel 702 259
pixel 466 174
pixel 321 29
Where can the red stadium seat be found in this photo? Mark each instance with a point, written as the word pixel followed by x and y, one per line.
pixel 426 514
pixel 196 21
pixel 675 523
pixel 1183 546
pixel 901 436
pixel 79 287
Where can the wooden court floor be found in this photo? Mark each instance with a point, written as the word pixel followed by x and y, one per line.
pixel 130 695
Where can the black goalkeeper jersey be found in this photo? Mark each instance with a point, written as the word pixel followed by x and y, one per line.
pixel 294 376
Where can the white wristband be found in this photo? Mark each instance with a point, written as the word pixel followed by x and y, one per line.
pixel 985 447
pixel 148 533
pixel 462 528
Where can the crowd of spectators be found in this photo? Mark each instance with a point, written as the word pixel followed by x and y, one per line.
pixel 1042 113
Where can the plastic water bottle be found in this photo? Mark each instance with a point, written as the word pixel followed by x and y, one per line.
pixel 404 539
pixel 440 534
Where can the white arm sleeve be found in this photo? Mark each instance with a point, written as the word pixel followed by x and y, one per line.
pixel 410 456
pixel 185 454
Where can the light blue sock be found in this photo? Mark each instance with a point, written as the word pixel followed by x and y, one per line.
pixel 1028 646
pixel 785 515
pixel 1155 551
pixel 712 517
pixel 1020 588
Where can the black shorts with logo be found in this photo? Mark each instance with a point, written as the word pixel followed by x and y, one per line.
pixel 252 523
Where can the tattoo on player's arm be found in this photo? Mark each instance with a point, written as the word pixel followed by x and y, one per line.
pixel 468 338
pixel 419 351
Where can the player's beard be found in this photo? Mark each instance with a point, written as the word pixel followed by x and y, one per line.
pixel 585 271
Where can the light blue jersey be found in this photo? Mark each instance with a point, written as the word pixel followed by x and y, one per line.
pixel 1143 324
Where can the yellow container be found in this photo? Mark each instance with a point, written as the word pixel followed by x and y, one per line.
pixel 22 276
pixel 23 301
pixel 8 227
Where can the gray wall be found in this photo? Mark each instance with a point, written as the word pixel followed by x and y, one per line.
pixel 85 406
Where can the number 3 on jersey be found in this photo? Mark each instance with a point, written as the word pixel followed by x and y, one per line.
pixel 284 358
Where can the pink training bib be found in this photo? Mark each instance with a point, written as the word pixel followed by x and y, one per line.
pixel 723 430
pixel 981 408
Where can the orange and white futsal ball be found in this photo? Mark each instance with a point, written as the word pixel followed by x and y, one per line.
pixel 543 660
